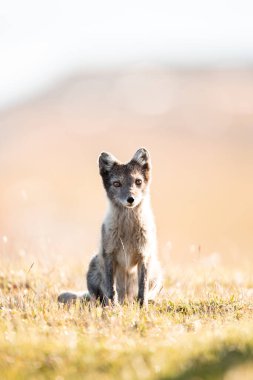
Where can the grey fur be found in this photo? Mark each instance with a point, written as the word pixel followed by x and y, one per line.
pixel 126 266
pixel 71 297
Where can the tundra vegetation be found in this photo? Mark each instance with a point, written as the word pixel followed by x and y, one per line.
pixel 201 327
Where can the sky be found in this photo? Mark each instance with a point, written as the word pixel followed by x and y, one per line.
pixel 41 42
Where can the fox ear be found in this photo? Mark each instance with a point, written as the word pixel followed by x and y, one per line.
pixel 106 162
pixel 142 157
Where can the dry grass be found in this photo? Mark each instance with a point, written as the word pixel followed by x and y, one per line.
pixel 200 328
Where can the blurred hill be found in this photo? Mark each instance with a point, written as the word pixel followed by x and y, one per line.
pixel 198 126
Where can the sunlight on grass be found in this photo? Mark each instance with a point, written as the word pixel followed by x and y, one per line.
pixel 200 328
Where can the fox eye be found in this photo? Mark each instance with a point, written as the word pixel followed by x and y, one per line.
pixel 138 182
pixel 116 184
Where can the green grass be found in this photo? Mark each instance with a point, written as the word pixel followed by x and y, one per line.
pixel 200 328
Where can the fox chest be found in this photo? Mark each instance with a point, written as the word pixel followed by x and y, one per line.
pixel 126 242
pixel 127 255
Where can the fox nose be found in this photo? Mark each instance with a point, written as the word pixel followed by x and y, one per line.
pixel 130 200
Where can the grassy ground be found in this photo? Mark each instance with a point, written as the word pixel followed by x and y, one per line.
pixel 200 328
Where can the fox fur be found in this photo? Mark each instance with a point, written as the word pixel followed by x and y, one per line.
pixel 126 266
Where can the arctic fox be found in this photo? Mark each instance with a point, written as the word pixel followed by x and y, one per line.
pixel 126 266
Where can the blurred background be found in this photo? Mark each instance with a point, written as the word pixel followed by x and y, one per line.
pixel 81 77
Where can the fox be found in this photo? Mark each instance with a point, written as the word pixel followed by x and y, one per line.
pixel 126 267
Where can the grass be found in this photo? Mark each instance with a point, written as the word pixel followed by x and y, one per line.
pixel 200 328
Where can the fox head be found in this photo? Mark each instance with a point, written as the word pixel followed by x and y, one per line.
pixel 126 184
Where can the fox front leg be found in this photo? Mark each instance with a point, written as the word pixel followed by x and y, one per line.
pixel 143 283
pixel 109 278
